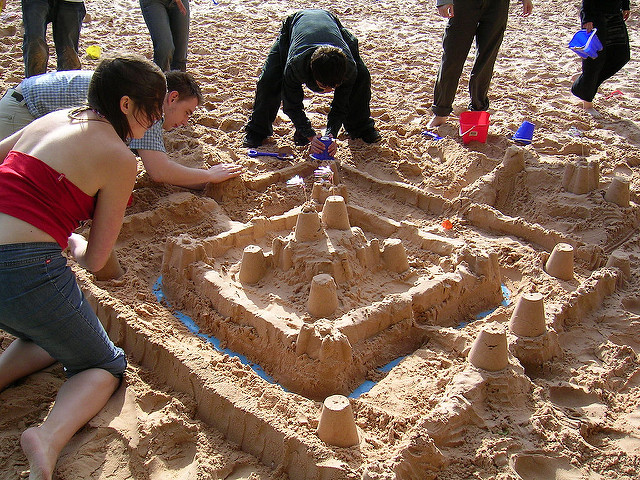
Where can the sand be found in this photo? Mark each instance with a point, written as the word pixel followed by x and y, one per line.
pixel 455 375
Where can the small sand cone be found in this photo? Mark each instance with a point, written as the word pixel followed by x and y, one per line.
pixel 323 296
pixel 334 213
pixel 111 269
pixel 618 192
pixel 308 226
pixel 394 255
pixel 619 259
pixel 489 350
pixel 560 262
pixel 527 319
pixel 253 265
pixel 337 425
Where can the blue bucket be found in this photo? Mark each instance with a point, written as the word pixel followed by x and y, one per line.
pixel 586 44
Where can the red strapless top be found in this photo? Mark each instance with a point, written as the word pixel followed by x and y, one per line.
pixel 32 191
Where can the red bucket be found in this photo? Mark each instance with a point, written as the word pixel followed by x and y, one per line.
pixel 474 126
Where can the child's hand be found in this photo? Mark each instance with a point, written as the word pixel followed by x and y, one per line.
pixel 588 26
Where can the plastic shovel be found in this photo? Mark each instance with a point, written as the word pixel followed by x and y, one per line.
pixel 255 153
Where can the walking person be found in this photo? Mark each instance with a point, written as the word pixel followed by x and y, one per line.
pixel 609 17
pixel 52 177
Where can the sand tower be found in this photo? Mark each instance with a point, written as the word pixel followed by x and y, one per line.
pixel 560 262
pixel 394 255
pixel 581 177
pixel 489 350
pixel 253 265
pixel 533 343
pixel 618 191
pixel 334 213
pixel 337 425
pixel 323 296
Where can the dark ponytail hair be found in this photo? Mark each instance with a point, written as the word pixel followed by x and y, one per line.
pixel 131 75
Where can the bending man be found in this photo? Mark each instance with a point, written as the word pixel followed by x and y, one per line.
pixel 313 49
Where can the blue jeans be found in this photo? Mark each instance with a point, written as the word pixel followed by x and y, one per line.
pixel 66 18
pixel 169 30
pixel 40 301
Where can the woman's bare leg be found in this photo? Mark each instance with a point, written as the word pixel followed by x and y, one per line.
pixel 20 359
pixel 80 398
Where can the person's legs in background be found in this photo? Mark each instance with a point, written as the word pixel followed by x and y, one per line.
pixel 456 43
pixel 67 23
pixel 267 99
pixel 35 52
pixel 157 20
pixel 179 24
pixel 489 35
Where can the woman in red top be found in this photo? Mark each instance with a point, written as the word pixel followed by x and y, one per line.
pixel 58 171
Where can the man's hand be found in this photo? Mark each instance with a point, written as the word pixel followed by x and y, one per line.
pixel 446 11
pixel 588 26
pixel 527 7
pixel 317 146
pixel 224 171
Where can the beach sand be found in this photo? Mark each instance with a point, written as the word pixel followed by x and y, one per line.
pixel 448 375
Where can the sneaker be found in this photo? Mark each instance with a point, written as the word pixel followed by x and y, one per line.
pixel 371 136
pixel 251 140
pixel 299 140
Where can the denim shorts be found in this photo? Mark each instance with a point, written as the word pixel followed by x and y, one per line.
pixel 41 301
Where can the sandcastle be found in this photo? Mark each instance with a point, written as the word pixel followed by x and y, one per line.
pixel 533 344
pixel 327 291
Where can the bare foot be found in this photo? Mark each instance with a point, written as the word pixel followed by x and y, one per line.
pixel 41 460
pixel 224 171
pixel 437 121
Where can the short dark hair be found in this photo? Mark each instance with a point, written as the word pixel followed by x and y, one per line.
pixel 133 76
pixel 184 84
pixel 329 65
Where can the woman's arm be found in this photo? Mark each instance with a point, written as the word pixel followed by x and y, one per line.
pixel 112 198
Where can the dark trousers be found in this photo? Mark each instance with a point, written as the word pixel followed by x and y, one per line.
pixel 66 18
pixel 169 30
pixel 486 21
pixel 269 89
pixel 269 92
pixel 612 33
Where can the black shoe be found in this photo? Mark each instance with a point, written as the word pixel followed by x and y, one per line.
pixel 372 136
pixel 300 140
pixel 251 140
